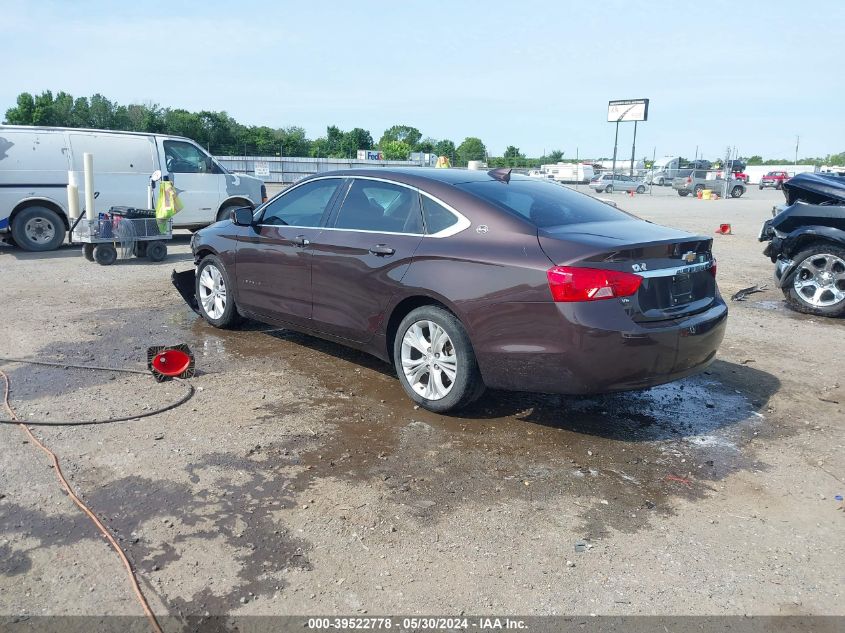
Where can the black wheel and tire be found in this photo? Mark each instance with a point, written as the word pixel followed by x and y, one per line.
pixel 88 252
pixel 660 182
pixel 818 284
pixel 683 194
pixel 736 192
pixel 435 361
pixel 697 190
pixel 214 293
pixel 779 186
pixel 761 187
pixel 156 251
pixel 608 189
pixel 105 254
pixel 226 212
pixel 38 229
pixel 139 249
pixel 640 189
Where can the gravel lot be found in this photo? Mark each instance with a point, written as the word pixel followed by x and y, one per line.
pixel 301 480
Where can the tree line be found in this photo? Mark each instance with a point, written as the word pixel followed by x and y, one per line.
pixel 220 134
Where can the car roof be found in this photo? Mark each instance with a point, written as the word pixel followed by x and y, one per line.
pixel 408 174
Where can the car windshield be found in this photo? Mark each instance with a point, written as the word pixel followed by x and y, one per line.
pixel 542 203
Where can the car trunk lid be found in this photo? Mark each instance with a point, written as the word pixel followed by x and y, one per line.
pixel 676 267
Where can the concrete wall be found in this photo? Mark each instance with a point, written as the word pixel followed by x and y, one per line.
pixel 287 170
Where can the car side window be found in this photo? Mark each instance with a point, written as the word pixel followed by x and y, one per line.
pixel 185 158
pixel 437 217
pixel 373 205
pixel 301 206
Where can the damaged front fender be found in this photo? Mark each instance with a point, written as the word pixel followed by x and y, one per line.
pixel 185 282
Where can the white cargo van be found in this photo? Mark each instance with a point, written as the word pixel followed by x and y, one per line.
pixel 34 166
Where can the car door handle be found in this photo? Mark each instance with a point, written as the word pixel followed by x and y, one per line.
pixel 300 240
pixel 382 249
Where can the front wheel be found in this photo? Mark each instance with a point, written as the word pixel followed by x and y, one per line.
pixel 435 361
pixel 640 189
pixel 38 229
pixel 818 283
pixel 683 194
pixel 736 192
pixel 660 182
pixel 608 189
pixel 214 293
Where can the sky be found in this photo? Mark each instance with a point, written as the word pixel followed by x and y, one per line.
pixel 748 74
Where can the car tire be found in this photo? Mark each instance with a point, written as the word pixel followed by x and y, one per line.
pixel 88 252
pixel 831 301
pixel 683 194
pixel 736 192
pixel 105 254
pixel 640 189
pixel 38 229
pixel 156 251
pixel 660 182
pixel 213 289
pixel 697 189
pixel 608 189
pixel 429 388
pixel 779 186
pixel 761 187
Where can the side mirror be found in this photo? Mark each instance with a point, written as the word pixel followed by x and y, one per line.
pixel 242 216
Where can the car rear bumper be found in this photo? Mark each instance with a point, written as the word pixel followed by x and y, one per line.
pixel 574 349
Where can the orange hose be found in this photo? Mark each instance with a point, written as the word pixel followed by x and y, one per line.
pixel 64 483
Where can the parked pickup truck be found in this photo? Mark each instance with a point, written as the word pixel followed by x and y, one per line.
pixel 700 180
pixel 774 179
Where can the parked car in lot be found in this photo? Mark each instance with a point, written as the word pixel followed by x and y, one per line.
pixel 806 241
pixel 609 183
pixel 699 180
pixel 774 179
pixel 466 279
pixel 34 166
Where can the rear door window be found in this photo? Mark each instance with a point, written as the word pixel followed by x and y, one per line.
pixel 543 204
pixel 382 207
pixel 437 217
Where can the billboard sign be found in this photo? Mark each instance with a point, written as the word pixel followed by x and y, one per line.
pixel 366 154
pixel 627 110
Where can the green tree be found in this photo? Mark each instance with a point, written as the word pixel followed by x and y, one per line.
pixel 44 113
pixel 395 150
pixel 426 145
pixel 513 152
pixel 22 113
pixel 471 149
pixel 554 156
pixel 101 112
pixel 355 139
pixel 293 141
pixel 80 115
pixel 445 147
pixel 755 160
pixel 404 133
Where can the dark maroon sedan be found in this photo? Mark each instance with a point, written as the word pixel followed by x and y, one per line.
pixel 466 279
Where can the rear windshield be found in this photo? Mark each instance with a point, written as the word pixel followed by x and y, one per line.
pixel 543 204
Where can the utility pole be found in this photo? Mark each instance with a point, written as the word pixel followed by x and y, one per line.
pixel 797 138
pixel 615 145
pixel 633 149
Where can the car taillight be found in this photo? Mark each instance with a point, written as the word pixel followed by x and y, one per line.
pixel 569 283
pixel 713 267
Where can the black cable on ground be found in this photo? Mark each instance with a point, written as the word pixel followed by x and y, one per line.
pixel 145 414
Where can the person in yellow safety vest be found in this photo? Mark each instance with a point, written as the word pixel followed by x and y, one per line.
pixel 442 162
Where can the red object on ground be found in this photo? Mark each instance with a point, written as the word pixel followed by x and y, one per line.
pixel 170 362
pixel 724 229
pixel 680 480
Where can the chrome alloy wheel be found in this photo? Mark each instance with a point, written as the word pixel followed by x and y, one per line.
pixel 820 280
pixel 428 360
pixel 39 230
pixel 212 291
